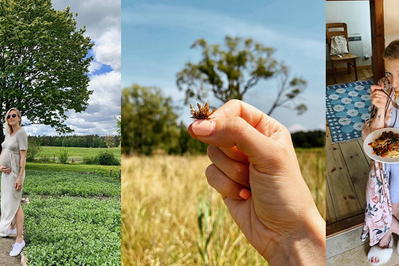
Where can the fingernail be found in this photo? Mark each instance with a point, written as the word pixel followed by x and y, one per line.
pixel 203 127
pixel 245 193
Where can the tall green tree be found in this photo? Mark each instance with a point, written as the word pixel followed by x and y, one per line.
pixel 230 72
pixel 118 127
pixel 43 63
pixel 148 121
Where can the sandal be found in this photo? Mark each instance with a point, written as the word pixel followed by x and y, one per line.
pixel 382 254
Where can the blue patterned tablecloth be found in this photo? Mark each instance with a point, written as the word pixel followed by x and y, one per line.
pixel 348 106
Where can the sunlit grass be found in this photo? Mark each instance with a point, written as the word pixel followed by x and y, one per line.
pixel 160 196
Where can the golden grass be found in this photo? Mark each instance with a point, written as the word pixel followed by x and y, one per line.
pixel 313 169
pixel 159 212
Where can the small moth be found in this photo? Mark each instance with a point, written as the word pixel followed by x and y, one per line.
pixel 203 111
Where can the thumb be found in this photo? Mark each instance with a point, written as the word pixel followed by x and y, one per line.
pixel 262 144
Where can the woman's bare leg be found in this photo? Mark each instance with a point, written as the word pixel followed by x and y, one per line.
pixel 384 242
pixel 395 210
pixel 12 225
pixel 19 222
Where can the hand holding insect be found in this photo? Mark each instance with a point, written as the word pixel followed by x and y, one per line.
pixel 256 171
pixel 203 111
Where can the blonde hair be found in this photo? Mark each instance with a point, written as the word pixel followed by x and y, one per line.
pixel 9 128
pixel 391 52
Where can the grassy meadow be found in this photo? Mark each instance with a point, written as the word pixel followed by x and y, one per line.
pixel 77 154
pixel 162 197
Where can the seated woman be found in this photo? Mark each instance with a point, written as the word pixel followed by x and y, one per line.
pixel 382 194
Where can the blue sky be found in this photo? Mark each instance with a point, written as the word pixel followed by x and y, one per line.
pixel 157 35
pixel 102 19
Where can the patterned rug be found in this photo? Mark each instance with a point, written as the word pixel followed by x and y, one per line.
pixel 347 108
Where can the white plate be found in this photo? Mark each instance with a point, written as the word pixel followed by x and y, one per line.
pixel 369 151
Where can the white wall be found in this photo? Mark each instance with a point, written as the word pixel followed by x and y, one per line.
pixel 391 20
pixel 356 14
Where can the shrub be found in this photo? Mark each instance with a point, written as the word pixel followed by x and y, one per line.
pixel 90 160
pixel 63 156
pixel 107 158
pixel 44 159
pixel 33 149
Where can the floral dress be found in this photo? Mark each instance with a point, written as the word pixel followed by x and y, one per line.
pixel 378 213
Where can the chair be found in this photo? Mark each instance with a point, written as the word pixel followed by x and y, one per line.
pixel 336 29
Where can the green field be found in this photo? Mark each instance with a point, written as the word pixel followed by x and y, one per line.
pixel 72 214
pixel 100 169
pixel 52 183
pixel 72 231
pixel 77 154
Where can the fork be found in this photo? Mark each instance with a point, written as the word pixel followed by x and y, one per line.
pixel 393 102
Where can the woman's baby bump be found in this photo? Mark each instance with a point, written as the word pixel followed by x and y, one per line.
pixel 6 159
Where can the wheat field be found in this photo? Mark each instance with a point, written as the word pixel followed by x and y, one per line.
pixel 162 200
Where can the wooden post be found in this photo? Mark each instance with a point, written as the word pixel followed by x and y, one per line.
pixel 377 38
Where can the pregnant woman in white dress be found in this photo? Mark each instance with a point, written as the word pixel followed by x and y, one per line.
pixel 12 166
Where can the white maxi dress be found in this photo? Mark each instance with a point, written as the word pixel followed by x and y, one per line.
pixel 10 198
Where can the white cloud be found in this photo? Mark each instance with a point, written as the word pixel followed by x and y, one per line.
pixel 106 90
pixel 104 105
pixel 102 19
pixel 296 127
pixel 94 66
pixel 34 130
pixel 98 16
pixel 108 49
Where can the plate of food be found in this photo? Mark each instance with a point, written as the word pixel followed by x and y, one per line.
pixel 383 145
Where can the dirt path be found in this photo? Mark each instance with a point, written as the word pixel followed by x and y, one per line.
pixel 5 248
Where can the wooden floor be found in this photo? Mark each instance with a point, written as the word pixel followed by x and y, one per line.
pixel 346 172
pixel 363 73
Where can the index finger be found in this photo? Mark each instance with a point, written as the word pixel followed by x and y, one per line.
pixel 237 124
pixel 377 87
pixel 253 116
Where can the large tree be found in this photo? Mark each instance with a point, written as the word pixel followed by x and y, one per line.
pixel 148 121
pixel 230 72
pixel 43 63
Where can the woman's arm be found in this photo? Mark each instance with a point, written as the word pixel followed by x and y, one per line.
pixel 378 121
pixel 22 163
pixel 379 100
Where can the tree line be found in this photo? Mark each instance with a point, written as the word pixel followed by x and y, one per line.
pixel 87 141
pixel 149 126
pixel 309 139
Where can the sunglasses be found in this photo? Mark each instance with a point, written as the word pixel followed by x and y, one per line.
pixel 13 116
